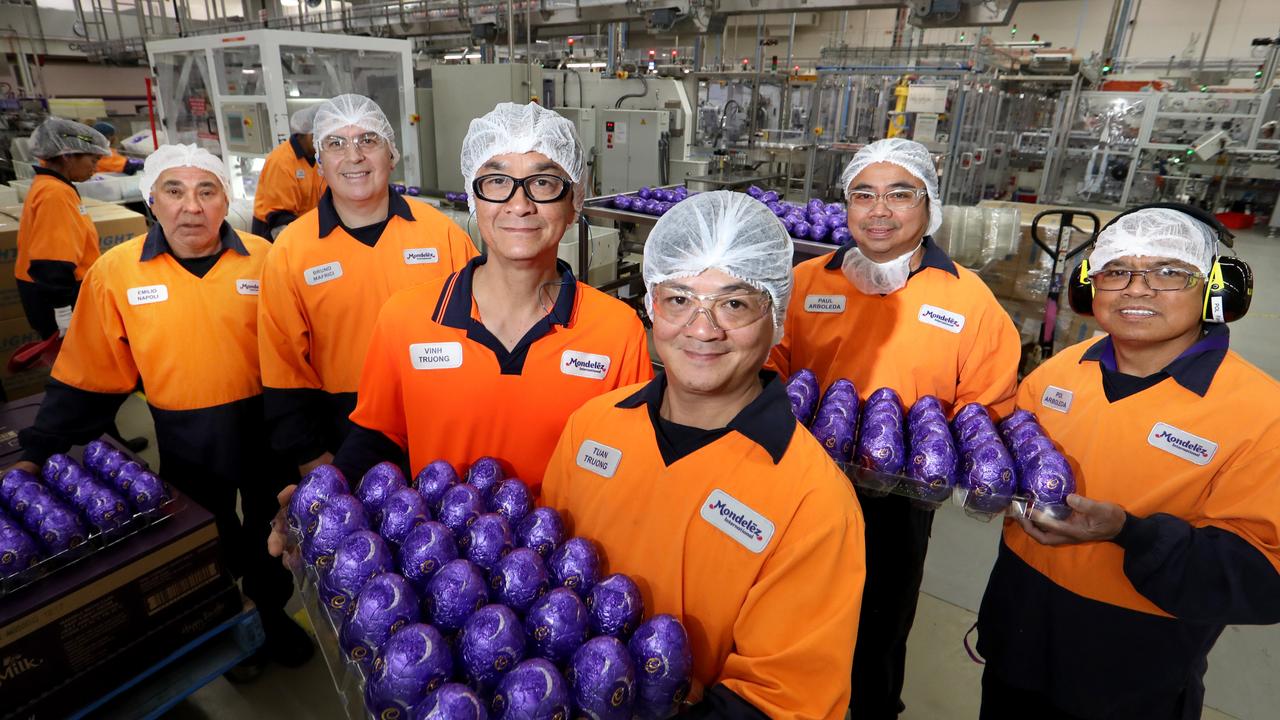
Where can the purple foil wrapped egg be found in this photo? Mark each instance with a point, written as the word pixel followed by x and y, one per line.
pixel 385 604
pixel 126 475
pixel 10 483
pixel 575 565
pixel 485 474
pixel 932 469
pixel 1020 434
pixel 1016 418
pixel 788 223
pixel 491 644
pixel 94 452
pixel 104 508
pixel 60 529
pixel 802 391
pixel 453 701
pixel 616 606
pixel 519 579
pixel 645 192
pixel 147 492
pixel 928 432
pixel 557 625
pixel 776 208
pixel 112 461
pixel 834 208
pixel 401 513
pixel 487 540
pixel 841 235
pixel 340 516
pixel 926 404
pixel 815 205
pixel 989 476
pixel 18 551
pixel 834 430
pixel 533 690
pixel 975 433
pixel 313 491
pixel 880 448
pixel 455 592
pixel 512 500
pixel 541 530
pixel 1048 480
pixel 884 394
pixel 433 480
pixel 622 202
pixel 413 191
pixel 415 661
pixel 768 196
pixel 459 507
pixel 426 549
pixel 398 188
pixel 800 229
pixel 972 410
pixel 603 679
pixel 1025 453
pixel 359 556
pixel 819 232
pixel 754 191
pixel 54 466
pixel 377 486
pixel 664 666
pixel 30 493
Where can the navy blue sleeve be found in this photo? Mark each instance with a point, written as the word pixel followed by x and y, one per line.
pixel 68 416
pixel 296 421
pixel 721 703
pixel 363 448
pixel 1203 575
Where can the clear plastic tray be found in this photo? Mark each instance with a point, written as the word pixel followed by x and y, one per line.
pixel 878 484
pixel 349 677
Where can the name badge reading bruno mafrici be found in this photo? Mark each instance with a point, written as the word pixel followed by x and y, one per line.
pixel 148 294
pixel 323 273
pixel 599 459
pixel 435 356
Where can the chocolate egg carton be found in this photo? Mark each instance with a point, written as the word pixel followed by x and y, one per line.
pixel 931 496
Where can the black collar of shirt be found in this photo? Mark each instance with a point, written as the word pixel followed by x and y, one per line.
pixel 329 220
pixel 1194 369
pixel 295 140
pixel 156 243
pixel 767 421
pixel 41 170
pixel 934 257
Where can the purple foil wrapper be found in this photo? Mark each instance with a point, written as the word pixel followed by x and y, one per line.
pixel 53 467
pixel 147 492
pixel 60 529
pixel 541 530
pixel 127 474
pixel 1018 417
pixel 1030 448
pixel 112 461
pixel 94 453
pixel 359 556
pixel 455 592
pixel 603 679
pixel 32 499
pixel 459 507
pixel 802 391
pixel 835 432
pixel 18 551
pixel 841 396
pixel 487 540
pixel 485 474
pixel 340 516
pixel 664 666
pixel 453 701
pixel 1022 433
pixel 534 690
pixel 972 410
pixel 575 565
pixel 880 448
pixel 927 404
pixel 401 513
pixel 433 480
pixel 105 509
pixel 932 469
pixel 1048 479
pixel 385 604
pixel 519 579
pixel 377 486
pixel 988 474
pixel 424 551
pixel 557 625
pixel 615 606
pixel 885 394
pixel 414 661
pixel 10 483
pixel 313 491
pixel 512 500
pixel 491 644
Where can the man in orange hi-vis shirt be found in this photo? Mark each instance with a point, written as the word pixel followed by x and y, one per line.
pixel 702 486
pixel 289 184
pixel 1174 442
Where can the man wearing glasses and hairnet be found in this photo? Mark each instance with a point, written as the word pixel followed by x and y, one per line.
pixel 330 272
pixel 702 486
pixel 890 309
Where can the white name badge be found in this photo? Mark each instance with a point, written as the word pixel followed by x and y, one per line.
pixel 599 459
pixel 945 319
pixel 584 365
pixel 247 287
pixel 824 303
pixel 84 210
pixel 300 173
pixel 435 356
pixel 421 256
pixel 1056 398
pixel 323 273
pixel 148 294
pixel 1183 444
pixel 748 527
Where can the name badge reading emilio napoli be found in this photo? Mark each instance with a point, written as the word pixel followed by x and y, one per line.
pixel 148 294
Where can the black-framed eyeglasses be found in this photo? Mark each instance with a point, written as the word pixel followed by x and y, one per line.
pixel 541 188
pixel 1162 279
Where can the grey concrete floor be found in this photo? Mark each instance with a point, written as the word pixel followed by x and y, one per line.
pixel 941 680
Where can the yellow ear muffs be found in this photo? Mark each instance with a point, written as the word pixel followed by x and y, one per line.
pixel 1080 290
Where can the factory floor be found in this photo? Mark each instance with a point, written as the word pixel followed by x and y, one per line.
pixel 942 681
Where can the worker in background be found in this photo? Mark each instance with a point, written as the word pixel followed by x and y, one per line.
pixel 115 162
pixel 666 475
pixel 176 308
pixel 289 184
pixel 890 309
pixel 510 345
pixel 330 272
pixel 1174 441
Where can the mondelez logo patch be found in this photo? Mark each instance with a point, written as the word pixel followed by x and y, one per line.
pixel 748 527
pixel 1182 444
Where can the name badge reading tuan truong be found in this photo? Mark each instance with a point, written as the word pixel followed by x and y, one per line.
pixel 599 459
pixel 148 294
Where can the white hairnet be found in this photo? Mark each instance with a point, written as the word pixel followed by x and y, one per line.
pixel 167 157
pixel 517 129
pixel 906 154
pixel 358 110
pixel 56 137
pixel 300 123
pixel 1156 232
pixel 726 231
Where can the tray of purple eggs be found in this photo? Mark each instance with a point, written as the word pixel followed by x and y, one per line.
pixel 933 460
pixel 1045 477
pixel 835 423
pixel 802 391
pixel 879 456
pixel 987 480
